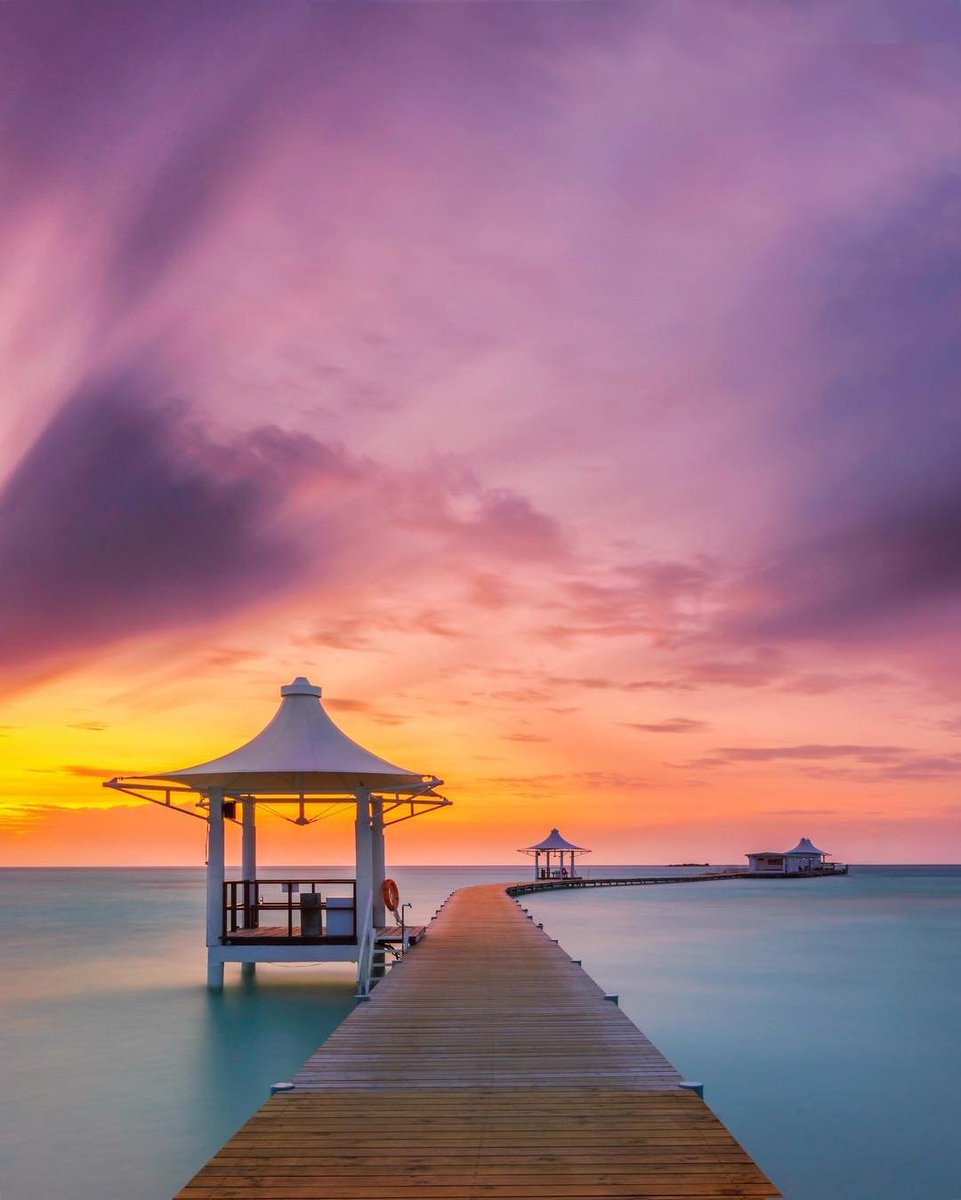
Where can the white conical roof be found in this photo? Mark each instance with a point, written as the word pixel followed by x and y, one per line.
pixel 805 846
pixel 301 750
pixel 555 841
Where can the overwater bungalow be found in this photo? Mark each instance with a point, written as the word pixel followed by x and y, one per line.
pixel 299 760
pixel 554 848
pixel 804 859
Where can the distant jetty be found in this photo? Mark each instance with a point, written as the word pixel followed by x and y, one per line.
pixel 555 873
pixel 557 885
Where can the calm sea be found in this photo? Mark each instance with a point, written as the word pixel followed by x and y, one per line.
pixel 822 1016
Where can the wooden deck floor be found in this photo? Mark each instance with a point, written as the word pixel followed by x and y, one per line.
pixel 487 1064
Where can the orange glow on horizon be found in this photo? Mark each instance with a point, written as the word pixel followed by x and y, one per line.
pixel 512 766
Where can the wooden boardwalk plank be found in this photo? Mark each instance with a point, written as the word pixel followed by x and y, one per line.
pixel 486 1064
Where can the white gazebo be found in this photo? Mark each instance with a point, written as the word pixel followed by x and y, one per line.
pixel 554 847
pixel 301 758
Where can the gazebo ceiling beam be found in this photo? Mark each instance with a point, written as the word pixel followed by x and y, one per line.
pixel 417 809
pixel 165 803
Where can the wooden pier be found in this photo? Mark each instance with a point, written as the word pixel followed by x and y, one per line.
pixel 573 883
pixel 486 1064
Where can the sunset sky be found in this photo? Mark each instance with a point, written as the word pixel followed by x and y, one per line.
pixel 570 389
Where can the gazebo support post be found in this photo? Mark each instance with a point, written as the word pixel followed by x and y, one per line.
pixel 379 861
pixel 215 887
pixel 248 859
pixel 248 850
pixel 364 861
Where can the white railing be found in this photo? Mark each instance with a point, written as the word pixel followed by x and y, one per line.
pixel 366 937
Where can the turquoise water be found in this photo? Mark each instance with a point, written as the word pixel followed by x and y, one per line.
pixel 120 1074
pixel 821 1014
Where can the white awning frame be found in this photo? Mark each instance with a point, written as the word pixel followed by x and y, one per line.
pixel 416 805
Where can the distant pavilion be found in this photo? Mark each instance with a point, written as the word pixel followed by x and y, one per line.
pixel 804 858
pixel 554 847
pixel 301 758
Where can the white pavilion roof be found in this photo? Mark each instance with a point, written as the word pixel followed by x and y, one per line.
pixel 805 846
pixel 301 750
pixel 556 841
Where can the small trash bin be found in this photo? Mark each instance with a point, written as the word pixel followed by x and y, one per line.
pixel 311 915
pixel 340 916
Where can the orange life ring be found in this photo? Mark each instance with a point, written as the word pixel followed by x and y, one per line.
pixel 391 894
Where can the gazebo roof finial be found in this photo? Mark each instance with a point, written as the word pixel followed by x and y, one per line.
pixel 301 686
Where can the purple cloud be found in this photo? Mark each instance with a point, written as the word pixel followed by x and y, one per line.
pixel 671 725
pixel 870 540
pixel 899 564
pixel 127 516
pixel 869 763
pixel 818 752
